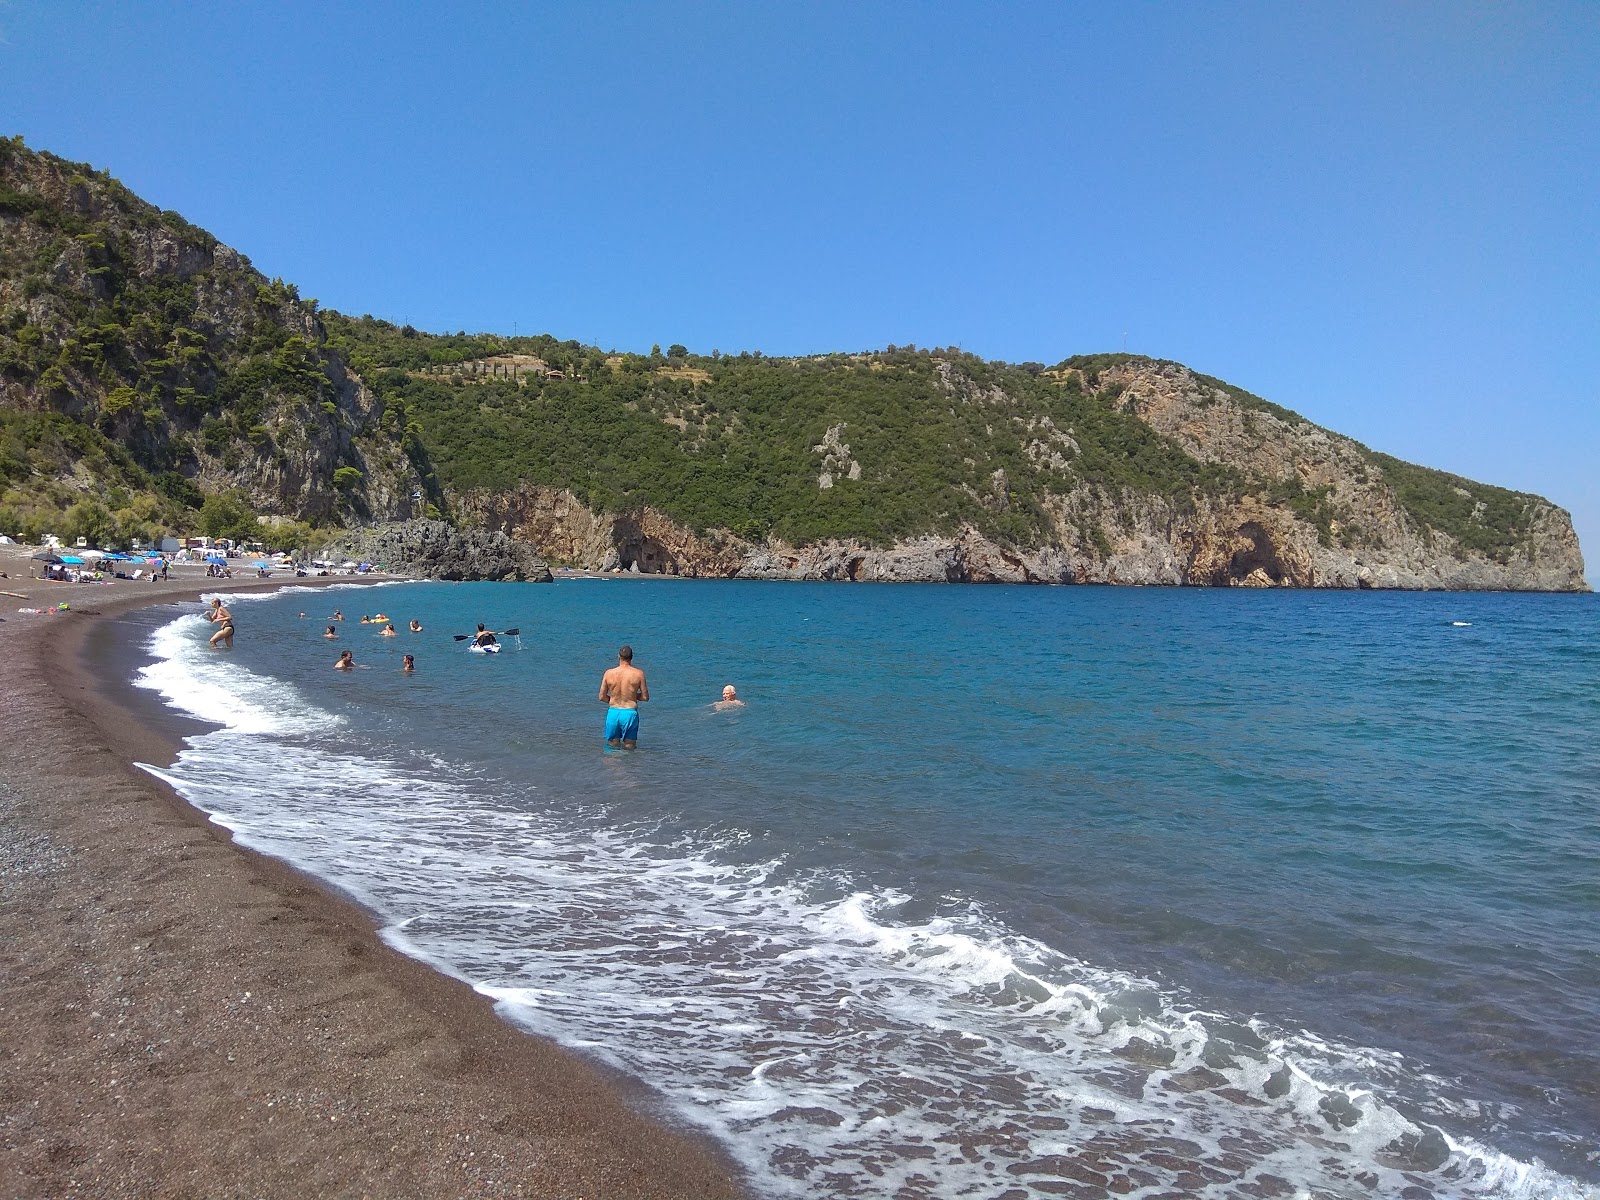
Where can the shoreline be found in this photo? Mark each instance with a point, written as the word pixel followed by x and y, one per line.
pixel 184 1016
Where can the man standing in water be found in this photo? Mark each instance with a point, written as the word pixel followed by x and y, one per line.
pixel 623 687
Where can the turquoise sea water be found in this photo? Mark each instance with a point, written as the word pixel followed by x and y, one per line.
pixel 987 891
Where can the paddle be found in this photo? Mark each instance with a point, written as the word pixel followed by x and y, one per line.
pixel 461 637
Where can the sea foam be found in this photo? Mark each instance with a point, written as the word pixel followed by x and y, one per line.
pixel 834 1044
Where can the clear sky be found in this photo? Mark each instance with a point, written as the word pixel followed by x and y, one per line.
pixel 1385 216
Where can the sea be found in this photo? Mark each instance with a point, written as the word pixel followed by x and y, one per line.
pixel 985 891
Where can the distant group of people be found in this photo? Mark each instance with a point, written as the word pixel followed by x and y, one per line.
pixel 347 659
pixel 622 688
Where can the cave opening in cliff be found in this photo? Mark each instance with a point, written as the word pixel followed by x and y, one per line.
pixel 1260 555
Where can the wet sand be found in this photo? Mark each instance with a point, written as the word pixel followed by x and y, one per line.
pixel 181 1017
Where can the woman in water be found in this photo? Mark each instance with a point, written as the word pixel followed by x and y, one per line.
pixel 223 619
pixel 409 664
pixel 388 631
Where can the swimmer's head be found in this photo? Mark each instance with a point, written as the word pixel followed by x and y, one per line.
pixel 728 693
pixel 625 653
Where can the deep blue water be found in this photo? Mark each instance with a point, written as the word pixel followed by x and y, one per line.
pixel 1281 885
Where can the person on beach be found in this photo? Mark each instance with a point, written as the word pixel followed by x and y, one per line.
pixel 223 619
pixel 623 688
pixel 416 625
pixel 408 664
pixel 483 637
pixel 730 699
pixel 388 631
pixel 347 661
pixel 332 632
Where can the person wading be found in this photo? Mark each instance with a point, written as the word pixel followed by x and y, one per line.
pixel 623 687
pixel 223 619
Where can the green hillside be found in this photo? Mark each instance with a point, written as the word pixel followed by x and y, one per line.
pixel 151 380
pixel 729 441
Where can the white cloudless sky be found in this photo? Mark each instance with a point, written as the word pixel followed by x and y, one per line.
pixel 1386 217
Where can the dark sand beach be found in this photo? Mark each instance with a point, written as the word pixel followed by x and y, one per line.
pixel 181 1017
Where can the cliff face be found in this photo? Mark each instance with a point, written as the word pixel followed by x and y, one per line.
pixel 437 550
pixel 1308 508
pixel 191 365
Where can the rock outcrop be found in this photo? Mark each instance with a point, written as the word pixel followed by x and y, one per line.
pixel 438 550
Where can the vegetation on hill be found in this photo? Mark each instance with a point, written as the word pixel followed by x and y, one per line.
pixel 738 441
pixel 151 379
pixel 145 367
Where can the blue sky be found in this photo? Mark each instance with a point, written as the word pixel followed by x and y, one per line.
pixel 1384 216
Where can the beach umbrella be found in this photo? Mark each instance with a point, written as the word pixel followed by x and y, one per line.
pixel 264 566
pixel 217 559
pixel 47 556
pixel 91 555
pixel 73 559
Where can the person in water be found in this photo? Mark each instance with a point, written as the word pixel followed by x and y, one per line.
pixel 347 661
pixel 416 625
pixel 332 633
pixel 730 699
pixel 408 664
pixel 623 688
pixel 388 631
pixel 223 619
pixel 483 637
pixel 337 616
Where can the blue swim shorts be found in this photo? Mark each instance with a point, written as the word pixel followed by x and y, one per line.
pixel 622 724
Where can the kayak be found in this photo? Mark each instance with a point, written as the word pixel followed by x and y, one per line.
pixel 491 648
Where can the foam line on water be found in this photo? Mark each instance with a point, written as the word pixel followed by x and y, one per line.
pixel 199 681
pixel 837 1046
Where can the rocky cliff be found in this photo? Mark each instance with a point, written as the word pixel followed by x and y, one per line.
pixel 437 550
pixel 1302 507
pixel 182 370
